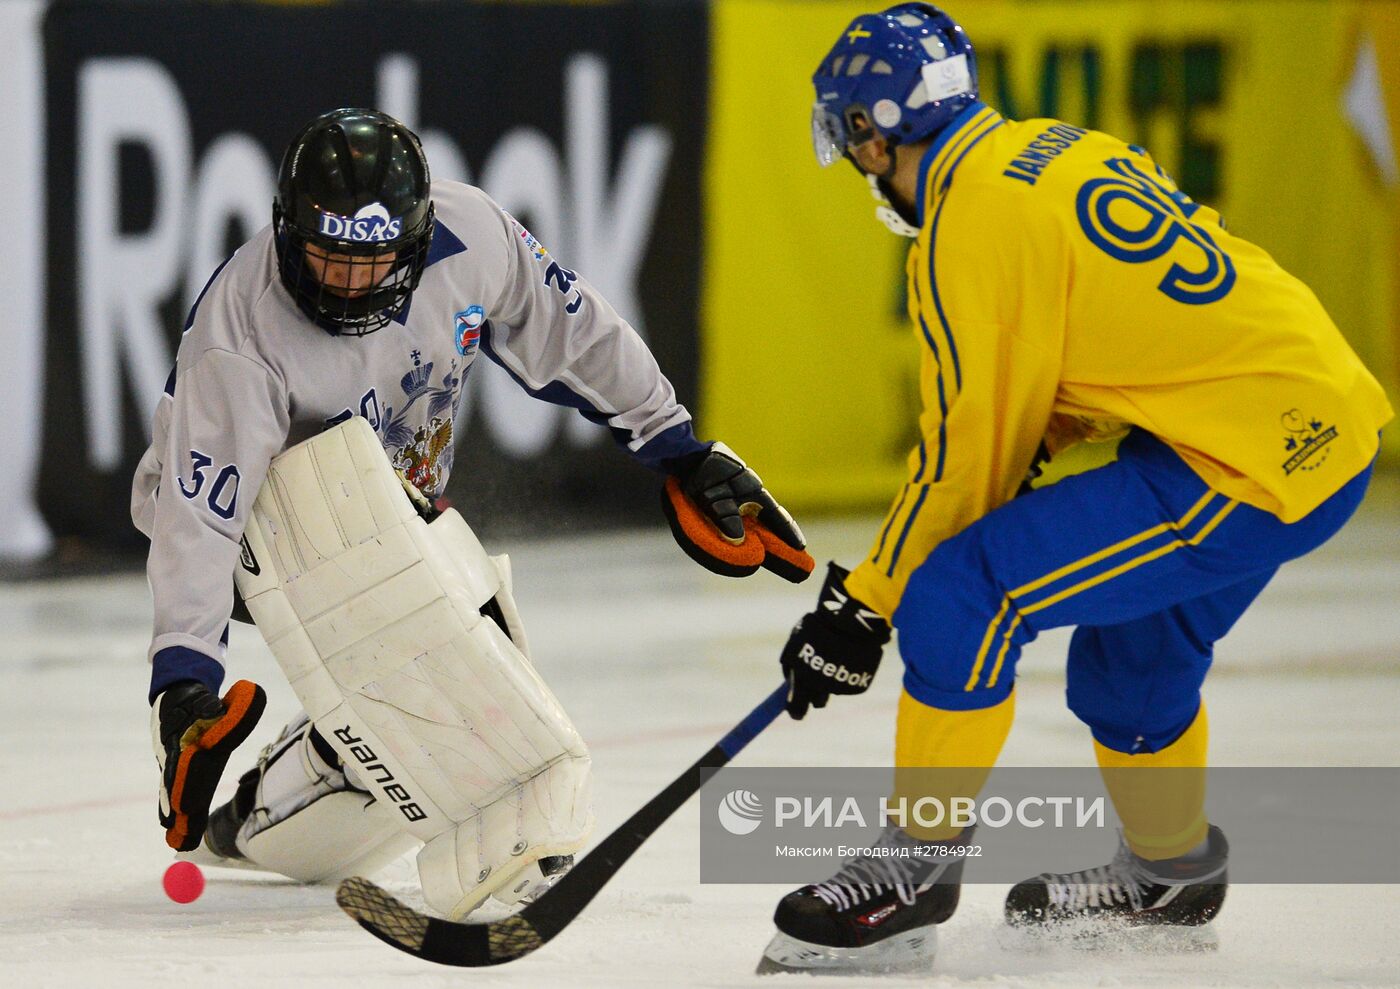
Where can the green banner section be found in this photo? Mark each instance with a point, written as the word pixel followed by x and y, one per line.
pixel 1282 114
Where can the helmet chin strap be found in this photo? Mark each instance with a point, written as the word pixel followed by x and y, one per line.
pixel 886 212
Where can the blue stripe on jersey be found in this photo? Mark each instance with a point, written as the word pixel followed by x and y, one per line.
pixel 445 244
pixel 923 456
pixel 942 408
pixel 676 441
pixel 938 301
pixel 948 180
pixel 908 524
pixel 933 347
pixel 955 127
pixel 970 135
pixel 189 320
pixel 932 255
pixel 885 533
pixel 947 330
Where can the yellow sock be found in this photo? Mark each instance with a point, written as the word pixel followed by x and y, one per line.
pixel 945 754
pixel 1160 796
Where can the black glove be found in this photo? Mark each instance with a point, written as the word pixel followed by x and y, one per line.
pixel 194 733
pixel 834 649
pixel 726 521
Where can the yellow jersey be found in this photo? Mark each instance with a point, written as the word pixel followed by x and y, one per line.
pixel 1063 288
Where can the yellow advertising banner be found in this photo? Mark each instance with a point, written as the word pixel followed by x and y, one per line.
pixel 1281 113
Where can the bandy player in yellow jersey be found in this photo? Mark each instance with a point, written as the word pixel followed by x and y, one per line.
pixel 1062 288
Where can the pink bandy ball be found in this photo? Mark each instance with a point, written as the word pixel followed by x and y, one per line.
pixel 183 882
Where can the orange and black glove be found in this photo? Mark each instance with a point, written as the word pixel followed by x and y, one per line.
pixel 194 733
pixel 726 521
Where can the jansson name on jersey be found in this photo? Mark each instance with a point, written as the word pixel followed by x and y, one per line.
pixel 1033 159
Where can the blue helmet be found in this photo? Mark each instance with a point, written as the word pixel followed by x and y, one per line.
pixel 908 71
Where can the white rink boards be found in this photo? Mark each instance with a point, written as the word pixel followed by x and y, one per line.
pixel 655 659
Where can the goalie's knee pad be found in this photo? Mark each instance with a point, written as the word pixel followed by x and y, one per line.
pixel 380 622
pixel 297 813
pixel 498 852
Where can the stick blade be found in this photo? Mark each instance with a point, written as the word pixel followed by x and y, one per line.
pixel 382 915
pixel 464 945
pixel 475 945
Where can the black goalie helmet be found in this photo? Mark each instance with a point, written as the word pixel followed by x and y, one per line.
pixel 352 219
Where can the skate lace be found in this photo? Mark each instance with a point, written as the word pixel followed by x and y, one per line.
pixel 865 877
pixel 1123 880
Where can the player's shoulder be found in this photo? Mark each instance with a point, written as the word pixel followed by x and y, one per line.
pixel 1043 153
pixel 235 301
pixel 1006 192
pixel 465 209
pixel 221 314
pixel 1016 150
pixel 1027 171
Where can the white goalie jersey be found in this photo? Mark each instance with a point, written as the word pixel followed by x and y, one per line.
pixel 254 377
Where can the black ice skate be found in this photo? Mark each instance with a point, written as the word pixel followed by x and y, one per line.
pixel 1129 892
pixel 876 915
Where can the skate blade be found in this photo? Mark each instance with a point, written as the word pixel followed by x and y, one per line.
pixel 1098 936
pixel 910 952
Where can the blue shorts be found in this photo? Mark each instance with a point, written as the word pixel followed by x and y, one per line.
pixel 1151 565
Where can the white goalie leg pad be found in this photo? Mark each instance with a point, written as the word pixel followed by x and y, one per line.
pixel 505 600
pixel 376 618
pixel 309 822
pixel 492 853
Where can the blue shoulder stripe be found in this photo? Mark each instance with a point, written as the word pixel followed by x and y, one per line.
pixel 933 255
pixel 189 319
pixel 947 140
pixel 445 244
pixel 938 299
pixel 943 182
pixel 976 129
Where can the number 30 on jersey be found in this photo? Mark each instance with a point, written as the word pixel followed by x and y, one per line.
pixel 222 496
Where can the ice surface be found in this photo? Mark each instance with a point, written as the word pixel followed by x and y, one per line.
pixel 655 659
